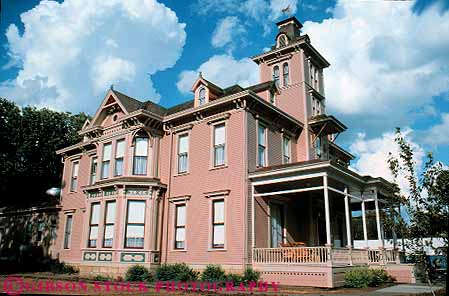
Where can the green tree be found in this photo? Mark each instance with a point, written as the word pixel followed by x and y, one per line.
pixel 28 161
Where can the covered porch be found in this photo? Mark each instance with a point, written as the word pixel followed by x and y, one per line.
pixel 305 217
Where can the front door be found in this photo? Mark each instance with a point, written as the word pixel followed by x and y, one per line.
pixel 277 224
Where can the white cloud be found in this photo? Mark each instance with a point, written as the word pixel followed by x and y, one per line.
pixel 373 155
pixel 439 133
pixel 244 72
pixel 384 58
pixel 71 52
pixel 229 32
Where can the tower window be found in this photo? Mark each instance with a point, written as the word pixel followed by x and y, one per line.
pixel 202 96
pixel 285 73
pixel 276 75
pixel 282 41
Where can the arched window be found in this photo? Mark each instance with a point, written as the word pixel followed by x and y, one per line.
pixel 282 40
pixel 140 154
pixel 202 96
pixel 276 75
pixel 285 72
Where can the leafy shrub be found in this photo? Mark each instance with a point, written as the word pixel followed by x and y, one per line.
pixel 364 277
pixel 138 273
pixel 62 268
pixel 234 278
pixel 176 272
pixel 102 278
pixel 213 273
pixel 250 275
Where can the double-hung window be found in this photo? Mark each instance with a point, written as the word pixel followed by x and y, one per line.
pixel 135 224
pixel 202 96
pixel 107 151
pixel 219 144
pixel 285 72
pixel 276 76
pixel 68 231
pixel 93 170
pixel 109 222
pixel 119 157
pixel 183 153
pixel 74 178
pixel 218 223
pixel 93 225
pixel 180 226
pixel 286 153
pixel 140 156
pixel 262 145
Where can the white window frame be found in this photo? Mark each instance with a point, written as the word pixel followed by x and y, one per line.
pixel 68 232
pixel 73 176
pixel 276 77
pixel 178 154
pixel 127 223
pixel 143 156
pixel 94 225
pixel 259 125
pixel 93 173
pixel 106 161
pixel 289 155
pixel 201 100
pixel 213 200
pixel 119 157
pixel 176 226
pixel 214 146
pixel 286 76
pixel 106 223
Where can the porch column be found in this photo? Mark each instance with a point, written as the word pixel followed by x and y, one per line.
pixel 327 211
pixel 253 216
pixel 379 227
pixel 365 233
pixel 348 220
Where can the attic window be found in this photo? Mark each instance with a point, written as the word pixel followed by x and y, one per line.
pixel 282 40
pixel 114 118
pixel 202 96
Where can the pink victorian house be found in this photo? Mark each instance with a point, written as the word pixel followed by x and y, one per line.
pixel 238 176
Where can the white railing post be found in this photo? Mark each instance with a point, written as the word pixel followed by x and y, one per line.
pixel 379 226
pixel 348 220
pixel 327 212
pixel 365 233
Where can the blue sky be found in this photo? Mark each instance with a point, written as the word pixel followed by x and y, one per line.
pixel 389 59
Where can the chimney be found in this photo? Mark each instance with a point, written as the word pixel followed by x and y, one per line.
pixel 291 27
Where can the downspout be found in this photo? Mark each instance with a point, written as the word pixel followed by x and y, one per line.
pixel 165 203
pixel 245 157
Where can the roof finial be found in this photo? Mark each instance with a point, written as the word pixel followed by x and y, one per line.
pixel 200 74
pixel 112 86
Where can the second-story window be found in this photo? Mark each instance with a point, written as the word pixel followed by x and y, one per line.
pixel 262 145
pixel 74 178
pixel 105 164
pixel 180 226
pixel 109 221
pixel 276 75
pixel 219 144
pixel 285 73
pixel 119 156
pixel 93 225
pixel 183 156
pixel 202 96
pixel 286 157
pixel 93 170
pixel 140 155
pixel 135 224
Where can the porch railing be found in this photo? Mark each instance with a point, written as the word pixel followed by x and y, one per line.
pixel 324 255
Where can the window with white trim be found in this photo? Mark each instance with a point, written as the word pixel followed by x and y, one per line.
pixel 93 225
pixel 286 149
pixel 183 153
pixel 119 157
pixel 68 231
pixel 93 170
pixel 219 144
pixel 109 221
pixel 285 73
pixel 135 224
pixel 74 178
pixel 218 223
pixel 276 75
pixel 180 226
pixel 202 96
pixel 105 164
pixel 261 145
pixel 140 155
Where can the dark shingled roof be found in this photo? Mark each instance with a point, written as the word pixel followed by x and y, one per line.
pixel 129 103
pixel 261 86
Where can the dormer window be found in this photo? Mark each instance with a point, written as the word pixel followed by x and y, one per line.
pixel 276 75
pixel 282 41
pixel 202 96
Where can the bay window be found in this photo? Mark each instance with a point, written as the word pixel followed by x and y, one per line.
pixel 140 155
pixel 119 156
pixel 183 148
pixel 218 223
pixel 180 226
pixel 109 222
pixel 93 225
pixel 135 224
pixel 219 144
pixel 106 160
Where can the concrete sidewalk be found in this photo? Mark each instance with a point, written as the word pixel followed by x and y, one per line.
pixel 407 289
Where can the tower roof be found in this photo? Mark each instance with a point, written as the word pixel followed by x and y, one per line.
pixel 291 19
